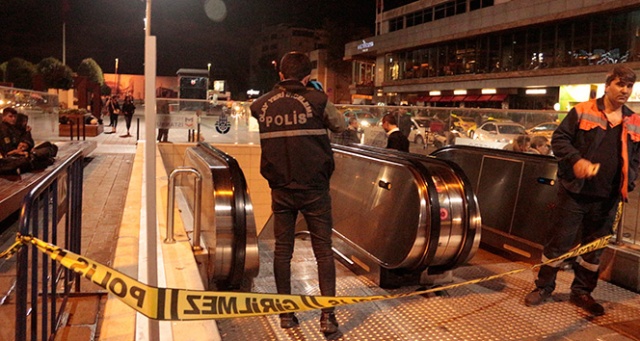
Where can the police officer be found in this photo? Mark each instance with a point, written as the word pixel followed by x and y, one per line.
pixel 297 161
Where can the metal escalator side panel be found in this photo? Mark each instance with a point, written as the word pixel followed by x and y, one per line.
pixel 228 230
pixel 515 191
pixel 379 208
pixel 208 215
pixel 216 217
pixel 244 242
pixel 459 215
pixel 456 239
pixel 246 258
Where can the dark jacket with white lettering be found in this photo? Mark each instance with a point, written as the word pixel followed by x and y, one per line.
pixel 580 134
pixel 293 121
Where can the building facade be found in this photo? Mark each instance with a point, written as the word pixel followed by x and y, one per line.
pixel 272 43
pixel 494 53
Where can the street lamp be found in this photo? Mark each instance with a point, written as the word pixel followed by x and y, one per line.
pixel 117 78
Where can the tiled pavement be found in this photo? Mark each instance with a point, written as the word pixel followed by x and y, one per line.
pixel 105 186
pixel 106 181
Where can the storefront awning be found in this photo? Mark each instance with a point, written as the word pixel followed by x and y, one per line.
pixel 435 98
pixel 424 99
pixel 484 98
pixel 498 97
pixel 446 99
pixel 471 98
pixel 458 98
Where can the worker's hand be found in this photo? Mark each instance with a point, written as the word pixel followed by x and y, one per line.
pixel 584 169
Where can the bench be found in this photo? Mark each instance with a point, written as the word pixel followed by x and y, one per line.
pixel 13 188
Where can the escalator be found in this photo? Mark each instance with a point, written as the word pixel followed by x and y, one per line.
pixel 230 257
pixel 401 218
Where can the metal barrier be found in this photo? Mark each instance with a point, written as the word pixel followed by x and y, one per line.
pixel 52 211
pixel 197 202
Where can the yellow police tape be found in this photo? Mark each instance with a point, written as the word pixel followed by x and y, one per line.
pixel 181 304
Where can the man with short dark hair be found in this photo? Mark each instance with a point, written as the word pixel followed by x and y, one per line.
pixel 598 151
pixel 13 141
pixel 350 135
pixel 297 161
pixel 395 139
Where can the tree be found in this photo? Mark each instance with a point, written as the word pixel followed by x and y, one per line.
pixel 3 71
pixel 105 90
pixel 55 74
pixel 20 72
pixel 90 69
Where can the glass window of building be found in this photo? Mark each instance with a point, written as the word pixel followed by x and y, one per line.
pixel 598 39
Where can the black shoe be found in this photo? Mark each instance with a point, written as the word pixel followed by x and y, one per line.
pixel 288 320
pixel 587 303
pixel 328 323
pixel 536 297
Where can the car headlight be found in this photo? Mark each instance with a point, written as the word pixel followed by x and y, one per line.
pixel 365 124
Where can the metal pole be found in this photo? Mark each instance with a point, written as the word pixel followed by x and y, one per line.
pixel 170 206
pixel 197 203
pixel 150 161
pixel 620 227
pixel 197 198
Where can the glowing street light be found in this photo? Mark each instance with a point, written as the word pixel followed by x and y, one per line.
pixel 117 78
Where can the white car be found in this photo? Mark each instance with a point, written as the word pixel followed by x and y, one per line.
pixel 503 132
pixel 419 131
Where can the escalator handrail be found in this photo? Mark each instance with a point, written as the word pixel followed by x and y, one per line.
pixel 471 202
pixel 238 212
pixel 432 195
pixel 471 229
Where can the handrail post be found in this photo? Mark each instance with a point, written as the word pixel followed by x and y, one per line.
pixel 619 228
pixel 170 205
pixel 197 198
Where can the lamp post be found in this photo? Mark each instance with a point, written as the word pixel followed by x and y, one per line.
pixel 117 77
pixel 208 76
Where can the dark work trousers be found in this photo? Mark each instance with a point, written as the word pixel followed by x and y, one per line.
pixel 315 206
pixel 577 220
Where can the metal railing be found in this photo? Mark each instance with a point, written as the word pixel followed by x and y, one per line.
pixel 197 201
pixel 52 212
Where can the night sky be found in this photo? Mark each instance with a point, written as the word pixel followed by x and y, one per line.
pixel 186 37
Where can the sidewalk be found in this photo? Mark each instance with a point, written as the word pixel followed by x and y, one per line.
pixel 106 182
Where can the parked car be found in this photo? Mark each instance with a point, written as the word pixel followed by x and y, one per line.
pixel 365 119
pixel 545 129
pixel 463 124
pixel 495 131
pixel 419 133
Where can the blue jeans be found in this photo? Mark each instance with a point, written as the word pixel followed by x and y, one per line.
pixel 577 220
pixel 315 206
